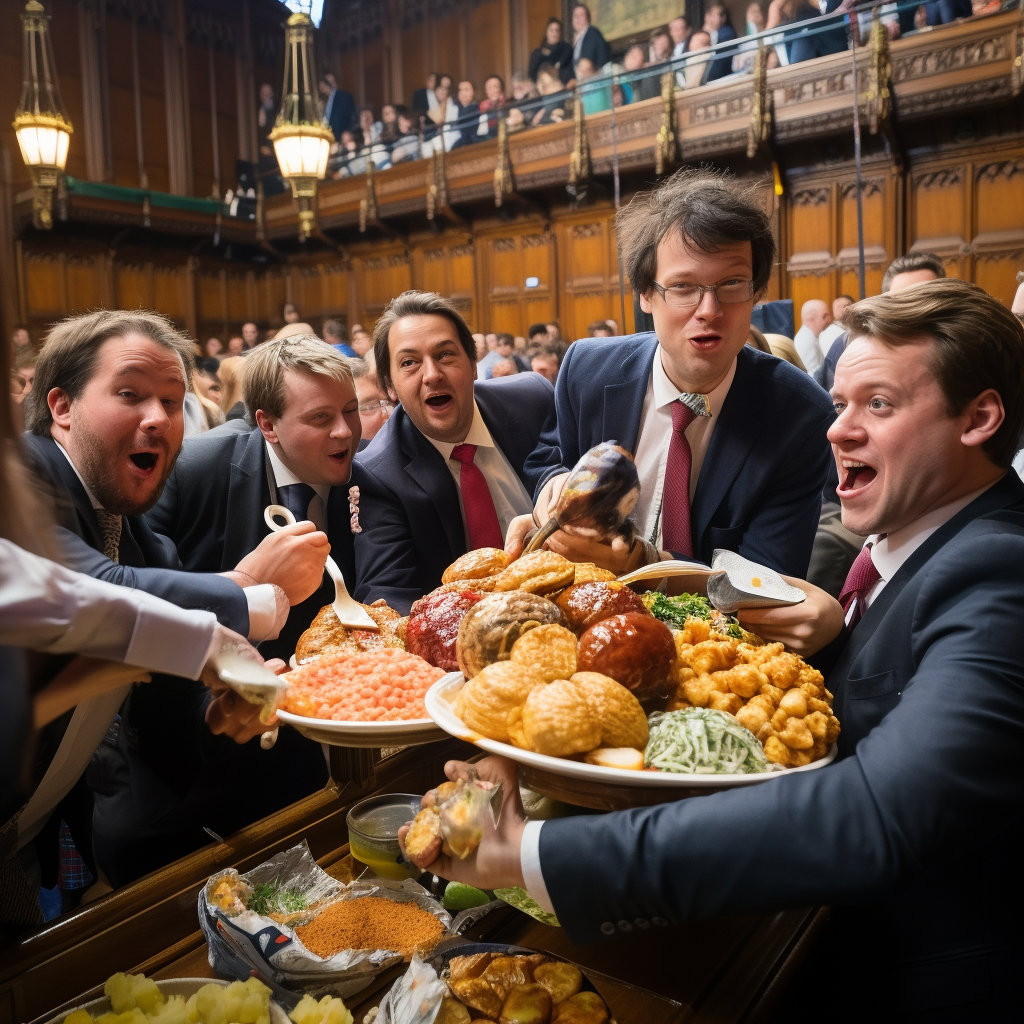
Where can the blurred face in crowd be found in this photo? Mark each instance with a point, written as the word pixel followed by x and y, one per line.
pixel 492 341
pixel 441 93
pixel 250 334
pixel 208 385
pixel 585 68
pixel 699 41
pixel 910 278
pixel 699 343
pixel 404 124
pixel 580 19
pixel 124 430
pixel 677 29
pixel 446 81
pixel 366 119
pixel 662 47
pixel 714 19
pixel 465 93
pixel 548 84
pixel 546 365
pixel 481 346
pixel 634 59
pixel 839 306
pixel 236 345
pixel 290 313
pixel 553 33
pixel 267 94
pixel 21 338
pixel 432 376
pixel 21 383
pixel 493 89
pixel 504 348
pixel 318 431
pixel 213 347
pixel 898 451
pixel 325 88
pixel 374 406
pixel 755 17
pixel 554 331
pixel 431 80
pixel 816 315
pixel 361 342
pixel 388 114
pixel 504 368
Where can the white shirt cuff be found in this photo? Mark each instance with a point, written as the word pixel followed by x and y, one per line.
pixel 264 621
pixel 529 861
pixel 170 639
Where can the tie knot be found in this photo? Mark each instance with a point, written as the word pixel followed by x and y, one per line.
pixel 296 498
pixel 682 415
pixel 464 453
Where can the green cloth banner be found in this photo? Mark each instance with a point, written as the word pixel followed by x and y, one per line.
pixel 103 190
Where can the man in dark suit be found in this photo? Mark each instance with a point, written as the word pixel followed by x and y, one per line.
pixel 339 106
pixel 717 26
pixel 446 474
pixel 423 98
pixel 587 40
pixel 469 122
pixel 299 455
pixel 908 833
pixel 729 442
pixel 104 442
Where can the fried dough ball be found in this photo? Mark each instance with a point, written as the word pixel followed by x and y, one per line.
pixel 587 572
pixel 616 709
pixel 488 699
pixel 540 572
pixel 548 651
pixel 476 565
pixel 582 1008
pixel 555 720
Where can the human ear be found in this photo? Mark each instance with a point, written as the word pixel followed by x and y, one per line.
pixel 985 415
pixel 60 407
pixel 645 302
pixel 266 425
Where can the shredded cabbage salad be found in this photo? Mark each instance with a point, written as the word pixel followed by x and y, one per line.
pixel 701 741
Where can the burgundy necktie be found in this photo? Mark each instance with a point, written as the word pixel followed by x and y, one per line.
pixel 861 578
pixel 675 502
pixel 481 520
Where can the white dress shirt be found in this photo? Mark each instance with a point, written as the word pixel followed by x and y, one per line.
pixel 807 348
pixel 828 337
pixel 655 436
pixel 46 607
pixel 264 621
pixel 890 551
pixel 510 497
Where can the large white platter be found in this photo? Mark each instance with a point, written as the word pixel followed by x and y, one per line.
pixel 442 693
pixel 364 734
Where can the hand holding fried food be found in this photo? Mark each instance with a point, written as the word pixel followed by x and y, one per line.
pixel 451 820
pixel 634 649
pixel 492 625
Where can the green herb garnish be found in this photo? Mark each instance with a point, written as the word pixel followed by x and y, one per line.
pixel 676 610
pixel 273 898
pixel 702 741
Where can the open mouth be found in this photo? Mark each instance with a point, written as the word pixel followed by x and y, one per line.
pixel 439 402
pixel 144 460
pixel 340 456
pixel 705 341
pixel 854 475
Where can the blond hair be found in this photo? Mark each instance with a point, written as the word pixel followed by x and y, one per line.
pixel 263 380
pixel 230 373
pixel 68 358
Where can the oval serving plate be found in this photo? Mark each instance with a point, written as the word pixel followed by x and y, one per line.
pixel 365 734
pixel 588 784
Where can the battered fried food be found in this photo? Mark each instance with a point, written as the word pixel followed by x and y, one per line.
pixel 582 1008
pixel 327 635
pixel 487 701
pixel 587 572
pixel 560 979
pixel 555 720
pixel 548 651
pixel 489 629
pixel 617 711
pixel 476 565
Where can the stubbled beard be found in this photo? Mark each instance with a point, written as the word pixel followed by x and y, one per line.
pixel 96 462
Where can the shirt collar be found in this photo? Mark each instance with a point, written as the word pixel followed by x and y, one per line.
pixel 890 551
pixel 665 392
pixel 283 476
pixel 478 434
pixel 89 494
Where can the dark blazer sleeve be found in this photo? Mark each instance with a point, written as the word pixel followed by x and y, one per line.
pixel 557 450
pixel 940 775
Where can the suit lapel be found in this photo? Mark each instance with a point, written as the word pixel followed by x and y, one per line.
pixel 735 433
pixel 624 401
pixel 47 449
pixel 427 468
pixel 246 493
pixel 511 437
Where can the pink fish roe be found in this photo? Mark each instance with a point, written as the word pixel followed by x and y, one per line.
pixel 373 686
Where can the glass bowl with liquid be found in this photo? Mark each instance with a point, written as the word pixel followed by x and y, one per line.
pixel 373 826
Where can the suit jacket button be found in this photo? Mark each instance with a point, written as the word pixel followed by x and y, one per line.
pixel 641 922
pixel 659 921
pixel 608 928
pixel 625 926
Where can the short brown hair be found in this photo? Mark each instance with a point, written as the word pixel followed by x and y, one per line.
pixel 977 344
pixel 709 208
pixel 68 357
pixel 911 262
pixel 263 379
pixel 415 303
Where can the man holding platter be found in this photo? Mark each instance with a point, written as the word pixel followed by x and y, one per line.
pixel 905 833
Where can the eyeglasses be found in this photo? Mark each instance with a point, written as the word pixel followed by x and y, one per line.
pixel 687 296
pixel 380 405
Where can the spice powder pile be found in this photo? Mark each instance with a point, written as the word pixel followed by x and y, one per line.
pixel 371 923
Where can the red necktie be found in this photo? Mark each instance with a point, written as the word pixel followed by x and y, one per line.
pixel 675 501
pixel 481 520
pixel 862 577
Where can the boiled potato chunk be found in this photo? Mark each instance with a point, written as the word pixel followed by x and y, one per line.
pixel 171 1012
pixel 526 1004
pixel 561 980
pixel 452 1012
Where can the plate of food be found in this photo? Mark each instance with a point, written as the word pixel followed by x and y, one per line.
pixel 611 698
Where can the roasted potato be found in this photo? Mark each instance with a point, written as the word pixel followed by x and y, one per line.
pixel 561 980
pixel 452 1012
pixel 582 1008
pixel 526 1004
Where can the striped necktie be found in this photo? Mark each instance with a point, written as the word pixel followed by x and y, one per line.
pixel 110 529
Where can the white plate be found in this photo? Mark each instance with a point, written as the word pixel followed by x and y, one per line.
pixel 438 701
pixel 185 987
pixel 364 734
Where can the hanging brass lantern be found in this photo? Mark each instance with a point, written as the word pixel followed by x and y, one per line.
pixel 301 137
pixel 43 131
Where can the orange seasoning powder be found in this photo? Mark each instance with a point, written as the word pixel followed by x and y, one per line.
pixel 371 922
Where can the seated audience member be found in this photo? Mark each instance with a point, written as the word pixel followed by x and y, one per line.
pixel 554 52
pixel 485 366
pixel 361 341
pixel 554 330
pixel 469 123
pixel 588 43
pixel 207 386
pixel 660 43
pixel 447 472
pixel 928 777
pixel 546 363
pixel 375 408
pixel 23 375
pixel 719 29
pixel 20 339
pixel 370 127
pixel 505 346
pixel 302 398
pixel 553 97
pixel 445 112
pixel 695 70
pixel 407 147
pixel 290 313
pixel 599 329
pixel 743 62
pixel 505 368
pixel 103 444
pixel 944 12
pixel 815 316
pixel 236 345
pixel 389 124
pixel 523 90
pixel 537 334
pixel 835 328
pixel 334 335
pixel 423 98
pixel 493 101
pixel 680 31
pixel 250 334
pixel 231 400
pixel 783 347
pixel 807 39
pixel 729 441
pixel 212 348
pixel 597 95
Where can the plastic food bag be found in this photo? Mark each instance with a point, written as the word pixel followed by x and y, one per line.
pixel 416 996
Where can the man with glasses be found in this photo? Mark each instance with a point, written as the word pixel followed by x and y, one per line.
pixel 729 441
pixel 375 408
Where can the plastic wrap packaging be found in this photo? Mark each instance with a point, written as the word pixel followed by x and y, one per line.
pixel 242 941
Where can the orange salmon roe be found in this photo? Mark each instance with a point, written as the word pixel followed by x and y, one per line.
pixel 372 686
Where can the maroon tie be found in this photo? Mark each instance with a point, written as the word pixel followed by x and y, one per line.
pixel 481 520
pixel 675 501
pixel 862 577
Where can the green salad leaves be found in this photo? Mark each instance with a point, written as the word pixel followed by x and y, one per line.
pixel 674 611
pixel 701 741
